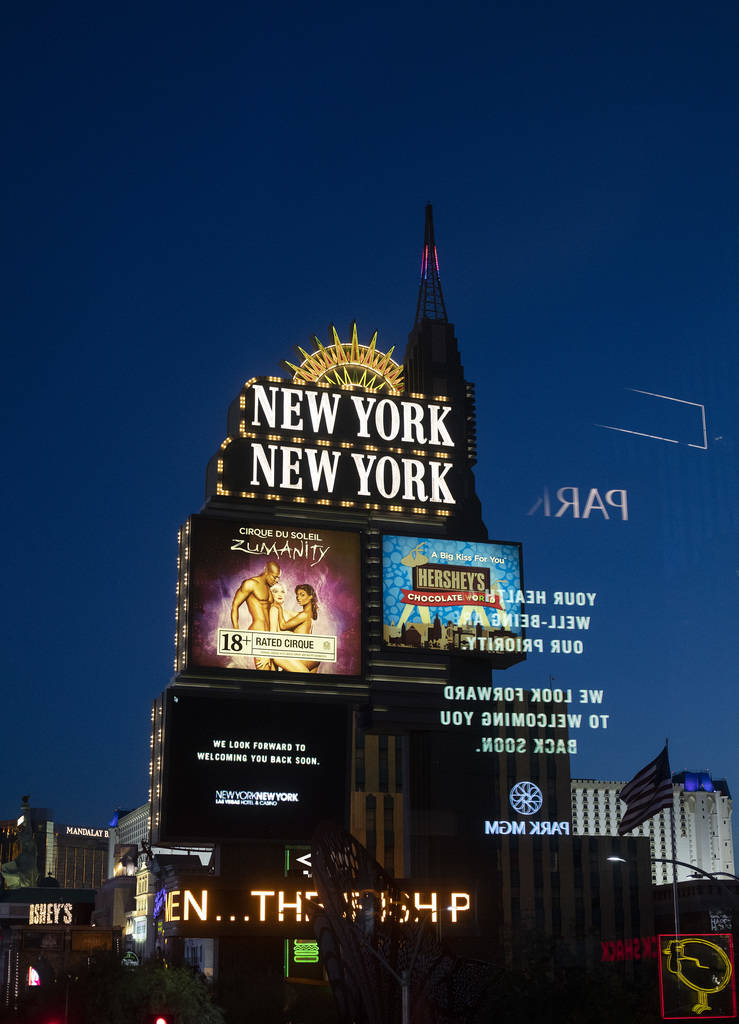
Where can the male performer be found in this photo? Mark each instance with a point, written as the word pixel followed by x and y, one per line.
pixel 255 591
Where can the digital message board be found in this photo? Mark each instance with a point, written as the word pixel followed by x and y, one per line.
pixel 270 598
pixel 250 769
pixel 452 595
pixel 266 905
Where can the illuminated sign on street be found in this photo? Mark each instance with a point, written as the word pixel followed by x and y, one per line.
pixel 281 906
pixel 88 833
pixel 302 960
pixel 304 951
pixel 450 595
pixel 264 598
pixel 248 769
pixel 160 899
pixel 696 976
pixel 638 947
pixel 527 828
pixel 50 913
pixel 329 446
pixel 526 799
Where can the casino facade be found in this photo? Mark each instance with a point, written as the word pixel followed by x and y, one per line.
pixel 337 582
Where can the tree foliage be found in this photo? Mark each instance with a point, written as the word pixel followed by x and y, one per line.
pixel 569 996
pixel 108 993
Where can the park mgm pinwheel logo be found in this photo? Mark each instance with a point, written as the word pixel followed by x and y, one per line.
pixel 525 798
pixel 696 975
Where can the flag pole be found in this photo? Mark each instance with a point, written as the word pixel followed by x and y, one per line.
pixel 676 911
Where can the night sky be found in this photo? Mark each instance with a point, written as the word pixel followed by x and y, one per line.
pixel 193 190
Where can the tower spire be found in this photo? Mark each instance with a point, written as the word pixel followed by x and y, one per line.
pixel 430 304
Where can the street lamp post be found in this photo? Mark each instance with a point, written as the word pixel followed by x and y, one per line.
pixel 706 874
pixel 697 872
pixel 713 875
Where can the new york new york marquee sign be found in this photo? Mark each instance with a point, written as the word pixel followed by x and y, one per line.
pixel 341 447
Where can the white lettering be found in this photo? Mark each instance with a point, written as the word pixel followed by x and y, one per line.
pixel 439 490
pixel 322 407
pixel 387 491
pixel 265 406
pixel 391 431
pixel 413 485
pixel 364 471
pixel 412 423
pixel 266 465
pixel 438 434
pixel 622 504
pixel 291 418
pixel 363 408
pixel 594 497
pixel 291 468
pixel 574 503
pixel 319 465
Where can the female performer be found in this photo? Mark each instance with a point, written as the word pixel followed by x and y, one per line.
pixel 300 623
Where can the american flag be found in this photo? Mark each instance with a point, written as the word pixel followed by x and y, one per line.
pixel 648 792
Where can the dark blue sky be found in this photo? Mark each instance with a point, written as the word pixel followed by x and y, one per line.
pixel 190 191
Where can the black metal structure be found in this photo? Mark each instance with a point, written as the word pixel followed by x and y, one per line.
pixel 382 958
pixel 430 305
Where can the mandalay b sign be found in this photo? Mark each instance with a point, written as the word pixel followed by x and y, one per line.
pixel 340 447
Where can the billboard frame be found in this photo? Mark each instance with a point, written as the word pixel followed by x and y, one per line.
pixel 496 660
pixel 263 683
pixel 162 768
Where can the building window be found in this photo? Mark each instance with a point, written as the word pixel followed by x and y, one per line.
pixel 370 806
pixel 359 759
pixel 383 763
pixel 399 764
pixel 388 829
